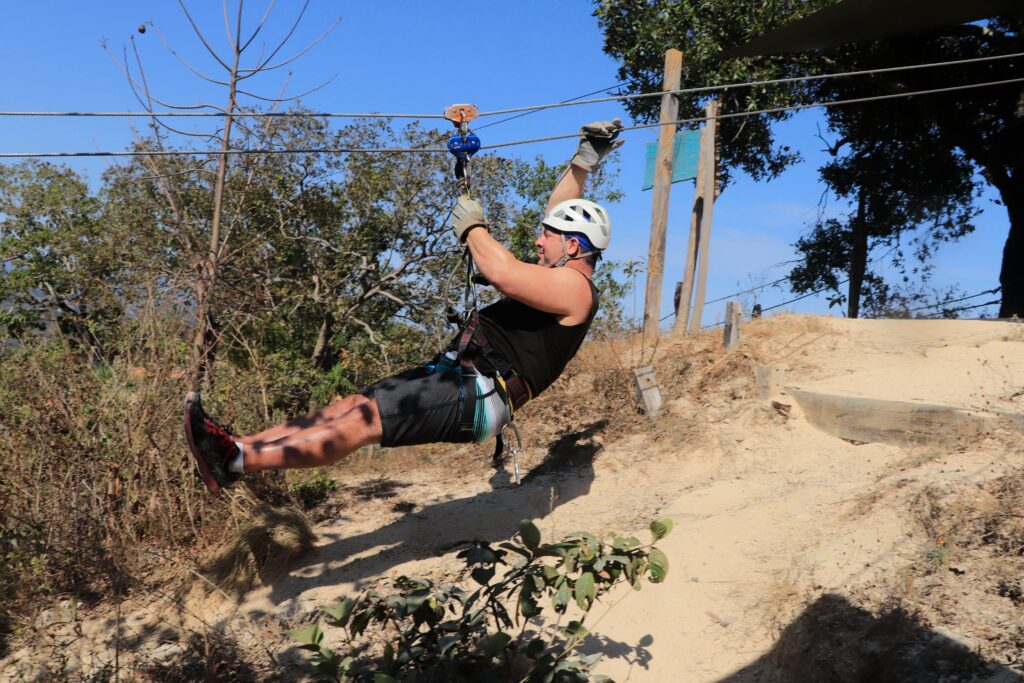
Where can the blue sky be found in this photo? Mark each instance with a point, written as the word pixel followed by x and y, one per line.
pixel 419 57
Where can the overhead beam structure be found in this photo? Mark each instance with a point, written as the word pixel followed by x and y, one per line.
pixel 852 21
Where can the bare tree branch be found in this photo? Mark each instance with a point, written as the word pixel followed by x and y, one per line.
pixel 202 39
pixel 268 126
pixel 227 24
pixel 287 37
pixel 238 31
pixel 134 87
pixel 259 26
pixel 292 98
pixel 263 67
pixel 197 169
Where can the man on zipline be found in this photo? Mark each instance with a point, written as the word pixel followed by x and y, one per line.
pixel 507 354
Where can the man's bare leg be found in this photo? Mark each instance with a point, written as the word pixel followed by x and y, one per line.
pixel 320 444
pixel 326 414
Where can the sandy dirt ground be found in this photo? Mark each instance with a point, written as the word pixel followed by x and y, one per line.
pixel 776 522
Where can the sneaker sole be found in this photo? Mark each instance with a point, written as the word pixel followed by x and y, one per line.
pixel 204 471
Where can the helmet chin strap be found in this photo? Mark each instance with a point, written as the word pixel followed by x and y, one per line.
pixel 566 258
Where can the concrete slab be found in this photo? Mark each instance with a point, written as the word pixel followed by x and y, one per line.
pixel 894 422
pixel 915 381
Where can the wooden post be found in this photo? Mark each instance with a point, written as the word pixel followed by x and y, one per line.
pixel 648 391
pixel 710 192
pixel 731 338
pixel 686 286
pixel 662 187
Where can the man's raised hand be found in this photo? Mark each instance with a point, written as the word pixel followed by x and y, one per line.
pixel 467 214
pixel 597 140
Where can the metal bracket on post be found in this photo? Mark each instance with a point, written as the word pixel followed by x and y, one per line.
pixel 648 392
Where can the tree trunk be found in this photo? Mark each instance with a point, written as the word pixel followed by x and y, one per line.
pixel 1011 275
pixel 858 259
pixel 322 355
pixel 205 337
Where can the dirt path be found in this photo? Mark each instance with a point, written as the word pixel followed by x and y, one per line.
pixel 772 517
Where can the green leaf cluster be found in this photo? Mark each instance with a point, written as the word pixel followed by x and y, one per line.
pixel 314 490
pixel 448 632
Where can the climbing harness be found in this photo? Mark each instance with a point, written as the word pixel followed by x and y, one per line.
pixel 473 353
pixel 513 389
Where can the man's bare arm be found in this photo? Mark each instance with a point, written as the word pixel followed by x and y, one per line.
pixel 569 186
pixel 552 290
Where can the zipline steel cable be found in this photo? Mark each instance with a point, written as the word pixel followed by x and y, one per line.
pixel 775 110
pixel 434 150
pixel 909 310
pixel 532 108
pixel 785 303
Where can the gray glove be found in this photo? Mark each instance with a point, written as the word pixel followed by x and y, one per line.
pixel 466 215
pixel 597 140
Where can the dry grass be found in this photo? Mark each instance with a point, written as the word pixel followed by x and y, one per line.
pixel 98 473
pixel 261 550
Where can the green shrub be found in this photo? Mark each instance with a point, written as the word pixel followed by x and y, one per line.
pixel 314 490
pixel 22 559
pixel 444 632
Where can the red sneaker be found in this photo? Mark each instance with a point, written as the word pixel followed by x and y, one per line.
pixel 212 445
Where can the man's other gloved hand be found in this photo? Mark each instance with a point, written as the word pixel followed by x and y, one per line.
pixel 467 214
pixel 597 140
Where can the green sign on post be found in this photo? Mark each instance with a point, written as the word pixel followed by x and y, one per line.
pixel 684 158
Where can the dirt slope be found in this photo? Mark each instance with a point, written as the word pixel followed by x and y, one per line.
pixel 796 556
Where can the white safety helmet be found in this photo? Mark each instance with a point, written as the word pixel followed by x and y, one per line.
pixel 582 216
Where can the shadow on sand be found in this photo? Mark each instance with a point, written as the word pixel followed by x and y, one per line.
pixel 566 473
pixel 834 641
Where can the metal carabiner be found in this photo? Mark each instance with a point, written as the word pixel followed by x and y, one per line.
pixel 513 450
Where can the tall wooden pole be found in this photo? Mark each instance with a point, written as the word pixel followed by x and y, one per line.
pixel 662 187
pixel 707 152
pixel 686 286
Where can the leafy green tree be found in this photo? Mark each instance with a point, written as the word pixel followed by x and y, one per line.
pixel 905 194
pixel 979 130
pixel 334 252
pixel 58 258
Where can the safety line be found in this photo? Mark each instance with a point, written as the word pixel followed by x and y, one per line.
pixel 785 303
pixel 531 108
pixel 574 99
pixel 968 308
pixel 746 291
pixel 817 291
pixel 729 296
pixel 220 114
pixel 350 150
pixel 751 84
pixel 954 301
pixel 909 310
pixel 227 152
pixel 775 110
pixel 783 279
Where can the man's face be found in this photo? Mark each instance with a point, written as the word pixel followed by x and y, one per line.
pixel 549 247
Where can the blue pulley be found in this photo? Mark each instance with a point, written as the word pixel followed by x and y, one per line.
pixel 464 146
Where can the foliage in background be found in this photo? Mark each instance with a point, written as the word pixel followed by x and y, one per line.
pixel 332 270
pixel 446 632
pixel 936 143
pixel 334 283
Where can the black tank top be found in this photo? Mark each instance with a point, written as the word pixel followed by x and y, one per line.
pixel 533 341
